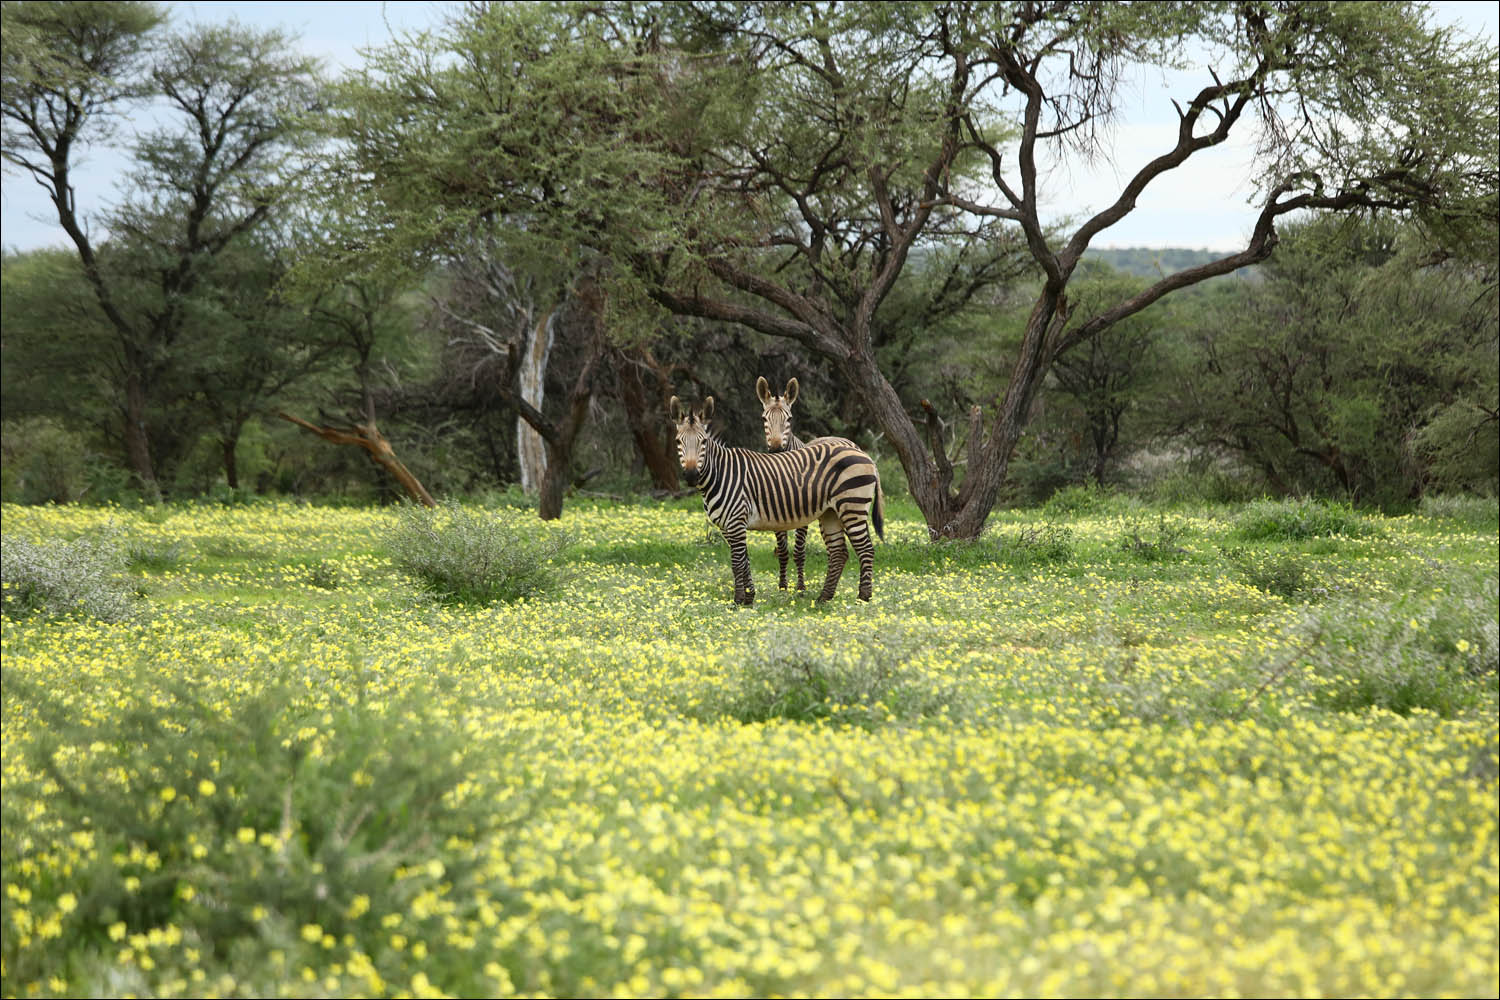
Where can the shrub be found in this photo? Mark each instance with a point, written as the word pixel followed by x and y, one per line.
pixel 1480 512
pixel 786 674
pixel 1279 573
pixel 1155 546
pixel 154 556
pixel 324 575
pixel 1072 501
pixel 306 827
pixel 84 578
pixel 1195 483
pixel 1296 520
pixel 44 462
pixel 1435 649
pixel 1036 546
pixel 473 557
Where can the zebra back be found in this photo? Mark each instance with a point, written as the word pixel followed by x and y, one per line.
pixel 780 491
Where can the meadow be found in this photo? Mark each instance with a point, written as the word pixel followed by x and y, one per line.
pixel 1109 748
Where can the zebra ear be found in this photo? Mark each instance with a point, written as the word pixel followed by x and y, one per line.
pixel 708 409
pixel 677 411
pixel 791 392
pixel 763 390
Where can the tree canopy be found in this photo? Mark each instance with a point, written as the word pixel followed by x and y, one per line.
pixel 781 165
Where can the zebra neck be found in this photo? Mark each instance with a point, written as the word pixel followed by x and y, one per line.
pixel 793 442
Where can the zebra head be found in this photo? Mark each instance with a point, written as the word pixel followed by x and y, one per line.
pixel 692 438
pixel 777 413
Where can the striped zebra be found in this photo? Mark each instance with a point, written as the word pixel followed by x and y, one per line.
pixel 828 480
pixel 776 414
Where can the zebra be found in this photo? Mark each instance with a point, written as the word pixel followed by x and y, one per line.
pixel 776 414
pixel 828 480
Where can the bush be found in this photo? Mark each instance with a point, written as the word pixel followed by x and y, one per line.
pixel 1072 501
pixel 1155 546
pixel 324 575
pixel 1036 546
pixel 1435 650
pixel 1480 512
pixel 44 462
pixel 322 816
pixel 84 578
pixel 786 674
pixel 1296 520
pixel 473 558
pixel 1279 573
pixel 154 556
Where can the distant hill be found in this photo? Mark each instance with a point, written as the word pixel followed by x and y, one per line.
pixel 1147 262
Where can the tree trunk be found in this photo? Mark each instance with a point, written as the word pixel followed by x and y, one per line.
pixel 368 437
pixel 228 444
pixel 929 468
pixel 137 438
pixel 554 481
pixel 531 450
pixel 643 421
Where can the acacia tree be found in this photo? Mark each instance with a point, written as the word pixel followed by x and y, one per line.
pixel 229 158
pixel 1357 108
pixel 1332 374
pixel 781 165
pixel 362 319
pixel 505 330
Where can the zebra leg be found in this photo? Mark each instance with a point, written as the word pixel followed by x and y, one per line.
pixel 739 564
pixel 859 537
pixel 781 557
pixel 800 554
pixel 838 554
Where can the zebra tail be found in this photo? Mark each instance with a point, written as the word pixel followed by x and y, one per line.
pixel 877 512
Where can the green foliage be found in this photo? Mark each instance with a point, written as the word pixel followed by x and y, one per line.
pixel 312 815
pixel 1476 512
pixel 1284 574
pixel 1071 501
pixel 1036 545
pixel 470 557
pixel 154 555
pixel 1156 262
pixel 786 673
pixel 1460 442
pixel 1189 480
pixel 324 575
pixel 1299 520
pixel 1155 545
pixel 1425 650
pixel 56 579
pixel 1364 366
pixel 44 462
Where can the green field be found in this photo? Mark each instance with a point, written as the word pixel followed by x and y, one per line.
pixel 1107 749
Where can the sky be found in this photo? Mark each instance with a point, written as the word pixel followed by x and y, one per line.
pixel 1201 205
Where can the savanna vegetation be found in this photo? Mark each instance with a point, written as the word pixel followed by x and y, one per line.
pixel 1180 673
pixel 1110 748
pixel 491 252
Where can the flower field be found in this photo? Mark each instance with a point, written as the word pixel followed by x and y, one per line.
pixel 1121 750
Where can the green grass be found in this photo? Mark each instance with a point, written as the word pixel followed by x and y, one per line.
pixel 1107 748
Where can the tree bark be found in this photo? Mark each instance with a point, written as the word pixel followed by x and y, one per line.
pixel 531 451
pixel 228 444
pixel 639 415
pixel 368 437
pixel 137 436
